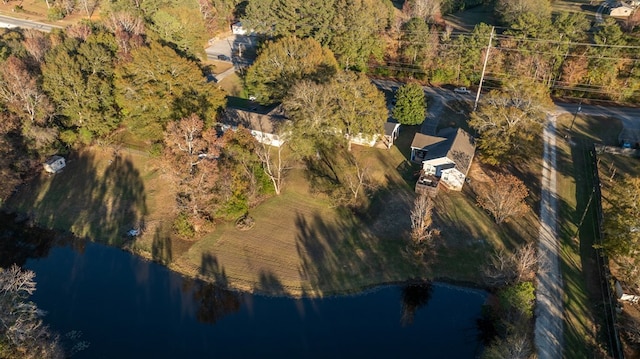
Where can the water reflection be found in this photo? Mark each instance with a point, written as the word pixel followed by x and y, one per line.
pixel 414 297
pixel 20 242
pixel 130 308
pixel 213 302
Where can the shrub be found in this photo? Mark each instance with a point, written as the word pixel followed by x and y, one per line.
pixel 55 14
pixel 183 227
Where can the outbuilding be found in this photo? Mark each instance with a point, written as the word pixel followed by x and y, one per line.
pixel 54 164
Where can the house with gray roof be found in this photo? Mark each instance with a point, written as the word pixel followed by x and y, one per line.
pixel 445 158
pixel 265 124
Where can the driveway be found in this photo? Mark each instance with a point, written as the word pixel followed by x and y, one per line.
pixel 238 49
pixel 548 331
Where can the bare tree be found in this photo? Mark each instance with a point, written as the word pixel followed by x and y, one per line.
pixel 422 233
pixel 89 6
pixel 19 89
pixel 504 198
pixel 357 179
pixel 20 320
pixel 506 268
pixel 274 163
pixel 36 43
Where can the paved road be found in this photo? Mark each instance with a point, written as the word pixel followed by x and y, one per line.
pixel 10 22
pixel 548 333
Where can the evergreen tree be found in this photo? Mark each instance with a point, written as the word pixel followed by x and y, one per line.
pixel 410 105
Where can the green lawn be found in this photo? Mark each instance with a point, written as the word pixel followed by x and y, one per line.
pixel 579 259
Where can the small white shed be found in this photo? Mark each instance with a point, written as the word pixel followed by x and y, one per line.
pixel 54 164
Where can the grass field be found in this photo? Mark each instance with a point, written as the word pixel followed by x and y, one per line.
pixel 300 244
pixel 580 266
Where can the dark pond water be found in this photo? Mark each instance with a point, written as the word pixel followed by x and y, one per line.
pixel 126 307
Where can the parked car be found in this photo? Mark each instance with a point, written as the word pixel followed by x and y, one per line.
pixel 462 90
pixel 223 58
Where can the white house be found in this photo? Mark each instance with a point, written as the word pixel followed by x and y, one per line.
pixel 391 131
pixel 265 127
pixel 445 158
pixel 54 164
pixel 237 29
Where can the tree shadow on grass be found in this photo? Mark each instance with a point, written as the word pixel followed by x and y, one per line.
pixel 97 204
pixel 345 256
pixel 161 250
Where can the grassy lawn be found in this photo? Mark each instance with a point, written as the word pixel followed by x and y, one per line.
pixel 98 195
pixel 579 260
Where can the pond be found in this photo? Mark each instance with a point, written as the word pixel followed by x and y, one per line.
pixel 126 307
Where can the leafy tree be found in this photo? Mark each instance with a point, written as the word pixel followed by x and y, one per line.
pixel 310 106
pixel 509 120
pixel 78 77
pixel 159 86
pixel 359 107
pixel 504 197
pixel 183 27
pixel 509 10
pixel 357 31
pixel 283 18
pixel 283 62
pixel 22 332
pixel 348 106
pixel 462 56
pixel 410 108
pixel 241 155
pixel 419 44
pixel 622 228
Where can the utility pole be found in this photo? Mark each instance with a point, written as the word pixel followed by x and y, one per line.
pixel 575 115
pixel 484 67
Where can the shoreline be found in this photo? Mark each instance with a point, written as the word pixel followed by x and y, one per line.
pixel 20 222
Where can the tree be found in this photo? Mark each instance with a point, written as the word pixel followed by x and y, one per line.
pixel 349 106
pixel 621 228
pixel 20 91
pixel 509 10
pixel 510 120
pixel 159 86
pixel 189 159
pixel 422 233
pixel 359 109
pixel 284 62
pixel 504 197
pixel 78 77
pixel 419 44
pixel 505 268
pixel 22 332
pixel 37 44
pixel 183 27
pixel 423 9
pixel 241 155
pixel 410 105
pixel 274 163
pixel 358 29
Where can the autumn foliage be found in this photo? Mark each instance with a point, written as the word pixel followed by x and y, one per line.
pixel 503 197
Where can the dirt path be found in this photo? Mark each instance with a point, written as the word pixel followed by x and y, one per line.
pixel 549 312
